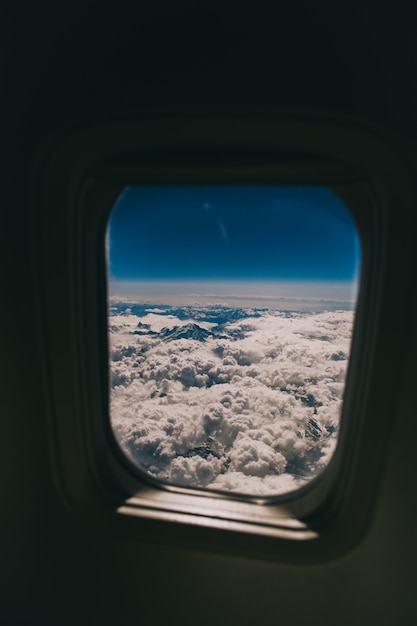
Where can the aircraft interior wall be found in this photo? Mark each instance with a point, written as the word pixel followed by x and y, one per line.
pixel 66 64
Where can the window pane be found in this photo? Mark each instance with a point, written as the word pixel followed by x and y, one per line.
pixel 230 318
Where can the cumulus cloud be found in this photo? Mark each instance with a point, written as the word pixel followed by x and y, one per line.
pixel 242 400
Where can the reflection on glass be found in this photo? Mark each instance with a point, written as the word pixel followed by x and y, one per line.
pixel 230 319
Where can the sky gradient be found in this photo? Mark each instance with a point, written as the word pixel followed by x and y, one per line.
pixel 231 234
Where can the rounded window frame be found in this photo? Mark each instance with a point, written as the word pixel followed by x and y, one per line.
pixel 77 181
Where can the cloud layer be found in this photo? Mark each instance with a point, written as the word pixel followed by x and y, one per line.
pixel 241 400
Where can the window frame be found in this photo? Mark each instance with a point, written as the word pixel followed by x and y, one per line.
pixel 75 184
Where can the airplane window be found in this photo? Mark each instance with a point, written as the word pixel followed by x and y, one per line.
pixel 230 315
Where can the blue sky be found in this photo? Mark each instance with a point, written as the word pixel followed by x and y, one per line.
pixel 231 233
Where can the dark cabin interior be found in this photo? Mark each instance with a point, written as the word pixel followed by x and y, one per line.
pixel 65 64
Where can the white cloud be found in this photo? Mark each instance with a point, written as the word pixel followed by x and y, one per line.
pixel 194 471
pixel 252 408
pixel 254 457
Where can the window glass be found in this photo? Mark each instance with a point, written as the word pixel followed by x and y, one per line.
pixel 231 311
